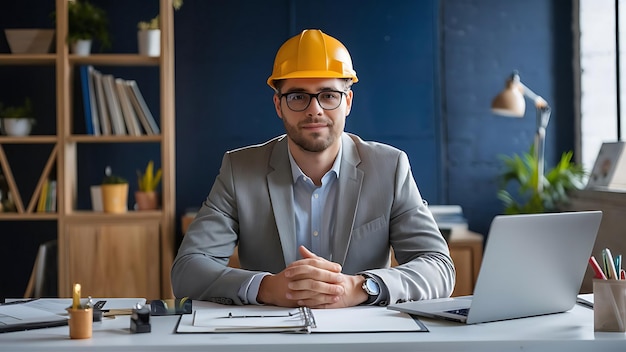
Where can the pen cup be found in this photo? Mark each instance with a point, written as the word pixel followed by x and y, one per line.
pixel 81 322
pixel 609 305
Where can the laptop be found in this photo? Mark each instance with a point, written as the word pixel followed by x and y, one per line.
pixel 533 264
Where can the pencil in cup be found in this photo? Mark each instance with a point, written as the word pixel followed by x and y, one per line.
pixel 609 305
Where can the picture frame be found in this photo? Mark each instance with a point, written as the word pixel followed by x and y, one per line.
pixel 609 169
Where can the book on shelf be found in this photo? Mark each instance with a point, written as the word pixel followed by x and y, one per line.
pixel 103 110
pixel 52 197
pixel 95 118
pixel 137 108
pixel 84 80
pixel 43 195
pixel 115 112
pixel 132 122
pixel 142 109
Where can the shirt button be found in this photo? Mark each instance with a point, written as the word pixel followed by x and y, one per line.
pixel 315 195
pixel 315 233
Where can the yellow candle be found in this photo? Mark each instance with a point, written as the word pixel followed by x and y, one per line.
pixel 76 296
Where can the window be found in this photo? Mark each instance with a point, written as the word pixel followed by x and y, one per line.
pixel 599 87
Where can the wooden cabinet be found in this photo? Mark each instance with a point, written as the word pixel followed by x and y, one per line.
pixel 112 255
pixel 114 260
pixel 466 250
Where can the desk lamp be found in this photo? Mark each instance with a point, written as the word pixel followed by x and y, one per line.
pixel 510 102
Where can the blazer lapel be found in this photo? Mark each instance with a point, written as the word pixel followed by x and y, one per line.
pixel 350 181
pixel 280 184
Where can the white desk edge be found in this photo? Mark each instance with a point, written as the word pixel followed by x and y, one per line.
pixel 569 331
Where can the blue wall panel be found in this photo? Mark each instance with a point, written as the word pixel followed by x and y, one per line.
pixel 483 42
pixel 227 104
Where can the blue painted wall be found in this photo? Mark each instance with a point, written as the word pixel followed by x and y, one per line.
pixel 223 101
pixel 427 70
pixel 482 42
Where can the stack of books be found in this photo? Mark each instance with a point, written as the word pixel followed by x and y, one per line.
pixel 114 106
pixel 48 197
pixel 449 219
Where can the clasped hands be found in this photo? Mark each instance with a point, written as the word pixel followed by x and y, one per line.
pixel 312 282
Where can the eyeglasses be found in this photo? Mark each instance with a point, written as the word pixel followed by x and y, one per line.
pixel 300 101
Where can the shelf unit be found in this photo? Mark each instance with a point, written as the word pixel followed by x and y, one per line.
pixel 148 236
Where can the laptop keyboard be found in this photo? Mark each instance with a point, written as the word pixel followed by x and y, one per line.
pixel 462 311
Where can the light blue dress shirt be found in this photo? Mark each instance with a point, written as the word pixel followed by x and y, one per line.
pixel 315 211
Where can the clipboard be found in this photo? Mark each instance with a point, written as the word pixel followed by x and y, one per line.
pixel 208 317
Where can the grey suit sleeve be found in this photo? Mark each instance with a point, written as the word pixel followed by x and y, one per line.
pixel 426 269
pixel 200 268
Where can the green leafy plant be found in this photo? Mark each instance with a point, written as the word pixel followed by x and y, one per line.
pixel 112 179
pixel 154 22
pixel 149 180
pixel 87 21
pixel 561 179
pixel 18 111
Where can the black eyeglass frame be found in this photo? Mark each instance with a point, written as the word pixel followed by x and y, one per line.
pixel 311 96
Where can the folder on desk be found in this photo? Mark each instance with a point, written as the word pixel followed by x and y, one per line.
pixel 215 318
pixel 24 315
pixel 38 313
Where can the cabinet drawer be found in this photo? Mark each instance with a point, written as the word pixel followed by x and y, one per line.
pixel 114 260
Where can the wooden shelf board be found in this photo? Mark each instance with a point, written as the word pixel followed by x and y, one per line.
pixel 101 217
pixel 28 59
pixel 115 139
pixel 27 216
pixel 28 139
pixel 114 60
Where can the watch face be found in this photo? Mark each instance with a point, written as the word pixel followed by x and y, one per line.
pixel 372 287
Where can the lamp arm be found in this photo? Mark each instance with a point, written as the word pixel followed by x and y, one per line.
pixel 543 117
pixel 540 102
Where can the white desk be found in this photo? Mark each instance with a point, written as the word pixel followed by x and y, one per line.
pixel 570 331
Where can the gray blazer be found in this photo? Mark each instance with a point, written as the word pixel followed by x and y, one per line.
pixel 251 204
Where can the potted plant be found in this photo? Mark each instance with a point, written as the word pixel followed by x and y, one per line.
pixel 114 193
pixel 564 177
pixel 149 34
pixel 146 197
pixel 86 22
pixel 17 120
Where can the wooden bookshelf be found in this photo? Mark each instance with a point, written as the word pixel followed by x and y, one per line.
pixel 142 268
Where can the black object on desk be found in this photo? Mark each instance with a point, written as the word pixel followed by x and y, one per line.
pixel 171 306
pixel 140 320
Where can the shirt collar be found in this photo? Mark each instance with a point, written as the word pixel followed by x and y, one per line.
pixel 296 172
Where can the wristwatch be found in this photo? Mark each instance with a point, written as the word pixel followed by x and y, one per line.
pixel 371 287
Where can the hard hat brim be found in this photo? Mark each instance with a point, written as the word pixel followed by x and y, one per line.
pixel 311 74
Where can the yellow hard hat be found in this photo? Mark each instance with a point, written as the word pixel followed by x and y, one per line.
pixel 312 54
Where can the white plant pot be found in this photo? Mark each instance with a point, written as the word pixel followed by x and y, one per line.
pixel 16 127
pixel 81 47
pixel 149 42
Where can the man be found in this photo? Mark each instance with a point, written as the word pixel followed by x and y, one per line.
pixel 314 212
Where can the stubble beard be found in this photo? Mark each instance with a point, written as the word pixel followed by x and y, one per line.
pixel 315 143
